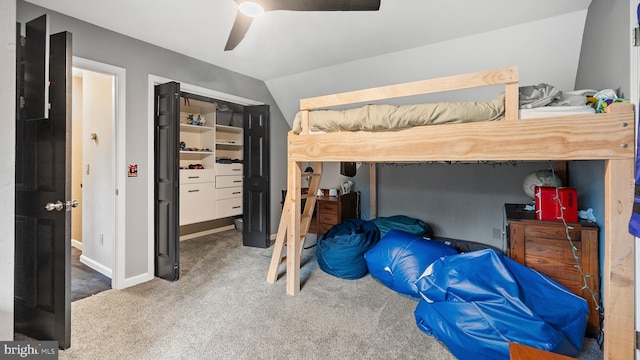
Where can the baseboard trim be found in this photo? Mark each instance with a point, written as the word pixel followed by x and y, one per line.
pixel 96 266
pixel 136 280
pixel 76 244
pixel 206 232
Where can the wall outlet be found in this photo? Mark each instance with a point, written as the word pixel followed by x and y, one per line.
pixel 497 233
pixel 101 238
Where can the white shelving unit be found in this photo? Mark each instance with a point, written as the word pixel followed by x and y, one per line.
pixel 228 142
pixel 229 145
pixel 208 190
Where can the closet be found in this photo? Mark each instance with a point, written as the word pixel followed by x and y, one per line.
pixel 204 149
pixel 211 155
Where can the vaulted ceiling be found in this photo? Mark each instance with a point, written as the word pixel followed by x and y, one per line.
pixel 281 43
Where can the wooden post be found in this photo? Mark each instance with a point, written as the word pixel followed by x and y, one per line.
pixel 373 191
pixel 305 121
pixel 293 230
pixel 619 271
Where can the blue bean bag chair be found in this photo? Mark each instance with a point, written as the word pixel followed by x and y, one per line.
pixel 340 251
pixel 399 258
pixel 478 302
pixel 402 222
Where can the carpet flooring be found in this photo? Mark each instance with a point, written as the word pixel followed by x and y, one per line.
pixel 85 281
pixel 223 308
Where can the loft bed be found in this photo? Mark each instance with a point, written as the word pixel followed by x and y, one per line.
pixel 607 136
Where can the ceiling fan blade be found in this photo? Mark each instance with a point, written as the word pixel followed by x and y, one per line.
pixel 239 29
pixel 320 5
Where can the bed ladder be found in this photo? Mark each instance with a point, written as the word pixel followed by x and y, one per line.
pixel 305 221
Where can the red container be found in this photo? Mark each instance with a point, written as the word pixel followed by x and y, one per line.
pixel 548 206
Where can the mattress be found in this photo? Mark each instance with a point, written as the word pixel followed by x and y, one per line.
pixel 549 111
pixel 385 117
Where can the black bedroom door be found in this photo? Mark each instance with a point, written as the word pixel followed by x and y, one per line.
pixel 43 203
pixel 256 199
pixel 166 192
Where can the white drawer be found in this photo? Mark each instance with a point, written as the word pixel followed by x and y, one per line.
pixel 197 176
pixel 228 181
pixel 229 193
pixel 229 169
pixel 228 207
pixel 197 203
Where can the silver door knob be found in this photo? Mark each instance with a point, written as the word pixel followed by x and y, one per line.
pixel 58 206
pixel 71 204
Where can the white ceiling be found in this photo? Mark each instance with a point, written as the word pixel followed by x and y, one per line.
pixel 282 43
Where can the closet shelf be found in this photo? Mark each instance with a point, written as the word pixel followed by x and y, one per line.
pixel 195 128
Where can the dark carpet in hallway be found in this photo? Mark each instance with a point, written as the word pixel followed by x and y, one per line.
pixel 84 280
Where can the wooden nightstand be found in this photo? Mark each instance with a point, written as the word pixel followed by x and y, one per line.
pixel 543 246
pixel 331 210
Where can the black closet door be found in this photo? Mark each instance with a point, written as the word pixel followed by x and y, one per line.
pixel 42 205
pixel 256 199
pixel 166 202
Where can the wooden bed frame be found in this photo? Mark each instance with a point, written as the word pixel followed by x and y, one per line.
pixel 608 136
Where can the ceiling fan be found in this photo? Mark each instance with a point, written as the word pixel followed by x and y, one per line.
pixel 247 10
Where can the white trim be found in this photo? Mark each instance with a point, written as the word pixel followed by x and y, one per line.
pixel 193 89
pixel 206 232
pixel 96 266
pixel 135 280
pixel 118 162
pixel 76 244
pixel 198 90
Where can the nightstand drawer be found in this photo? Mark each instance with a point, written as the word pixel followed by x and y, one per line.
pixel 332 210
pixel 324 218
pixel 328 207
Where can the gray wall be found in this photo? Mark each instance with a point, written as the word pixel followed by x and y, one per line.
pixel 7 165
pixel 141 59
pixel 604 64
pixel 461 201
pixel 605 54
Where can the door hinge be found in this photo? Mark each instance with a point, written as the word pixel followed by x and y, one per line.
pixel 23 41
pixel 22 102
pixel 637 340
pixel 636 36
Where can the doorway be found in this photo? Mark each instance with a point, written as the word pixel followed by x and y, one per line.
pixel 98 111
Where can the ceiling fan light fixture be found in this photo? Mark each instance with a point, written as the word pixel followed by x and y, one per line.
pixel 251 9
